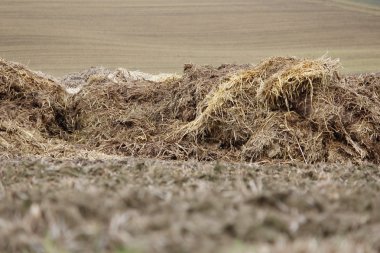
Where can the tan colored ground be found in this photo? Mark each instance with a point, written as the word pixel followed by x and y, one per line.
pixel 148 205
pixel 63 36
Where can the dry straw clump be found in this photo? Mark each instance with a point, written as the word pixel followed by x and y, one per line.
pixel 284 108
pixel 32 110
pixel 290 109
pixel 250 111
pixel 136 117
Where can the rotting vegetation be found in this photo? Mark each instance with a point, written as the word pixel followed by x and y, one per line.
pixel 283 109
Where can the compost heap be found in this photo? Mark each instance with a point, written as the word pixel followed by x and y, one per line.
pixel 283 109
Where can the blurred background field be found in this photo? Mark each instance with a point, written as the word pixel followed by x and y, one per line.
pixel 59 36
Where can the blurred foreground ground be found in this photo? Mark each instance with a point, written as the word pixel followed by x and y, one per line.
pixel 136 205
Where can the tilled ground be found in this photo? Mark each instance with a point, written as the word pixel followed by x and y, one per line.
pixel 152 37
pixel 134 205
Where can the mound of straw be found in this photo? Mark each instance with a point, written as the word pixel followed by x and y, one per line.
pixel 283 109
pixel 292 109
pixel 135 117
pixel 32 110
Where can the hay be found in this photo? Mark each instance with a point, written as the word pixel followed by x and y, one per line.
pixel 284 109
pixel 289 109
pixel 34 113
pixel 33 101
pixel 135 117
pixel 285 88
pixel 31 105
pixel 230 114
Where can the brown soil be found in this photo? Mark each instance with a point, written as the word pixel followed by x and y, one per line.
pixel 134 205
pixel 63 36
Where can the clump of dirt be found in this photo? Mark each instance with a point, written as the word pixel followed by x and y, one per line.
pixel 283 109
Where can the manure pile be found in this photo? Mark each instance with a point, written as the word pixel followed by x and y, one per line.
pixel 283 109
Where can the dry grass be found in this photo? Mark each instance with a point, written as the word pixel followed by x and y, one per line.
pixel 284 108
pixel 289 109
pixel 31 112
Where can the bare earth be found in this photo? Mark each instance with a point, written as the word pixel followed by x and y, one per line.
pixel 58 36
pixel 133 205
